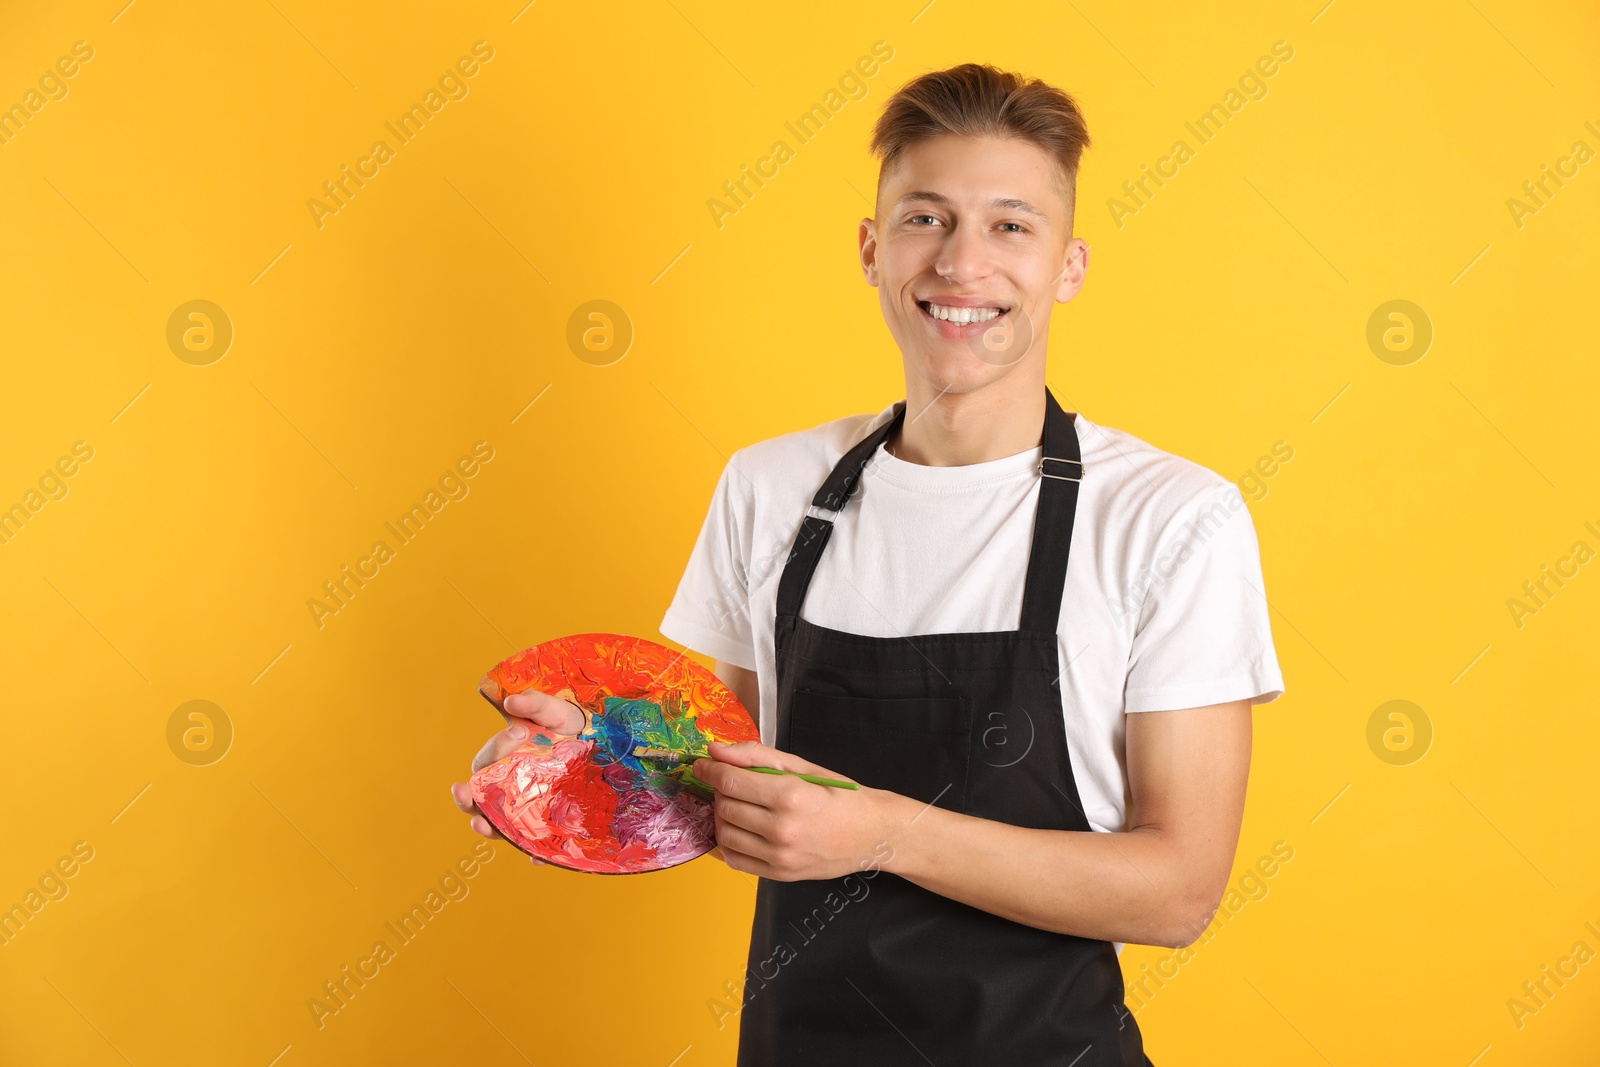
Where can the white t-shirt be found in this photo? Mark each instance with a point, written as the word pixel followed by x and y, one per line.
pixel 1163 605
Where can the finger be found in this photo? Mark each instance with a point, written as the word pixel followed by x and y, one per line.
pixel 501 745
pixel 742 813
pixel 741 862
pixel 755 754
pixel 727 779
pixel 549 712
pixel 742 841
pixel 461 793
pixel 484 828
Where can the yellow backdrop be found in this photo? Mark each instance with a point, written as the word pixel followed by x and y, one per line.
pixel 1344 255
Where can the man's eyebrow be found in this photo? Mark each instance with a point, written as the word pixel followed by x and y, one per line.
pixel 1010 203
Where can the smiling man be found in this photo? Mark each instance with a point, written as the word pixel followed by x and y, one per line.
pixel 1033 640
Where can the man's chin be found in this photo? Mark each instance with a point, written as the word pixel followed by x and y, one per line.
pixel 957 371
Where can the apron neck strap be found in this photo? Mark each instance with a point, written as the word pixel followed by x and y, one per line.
pixel 835 493
pixel 1060 471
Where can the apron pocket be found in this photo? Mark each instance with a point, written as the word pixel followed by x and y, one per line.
pixel 919 747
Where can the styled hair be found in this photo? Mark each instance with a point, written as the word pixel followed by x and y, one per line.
pixel 977 99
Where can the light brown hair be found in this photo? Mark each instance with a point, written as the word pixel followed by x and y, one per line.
pixel 977 99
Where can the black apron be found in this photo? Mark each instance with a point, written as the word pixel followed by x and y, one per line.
pixel 870 968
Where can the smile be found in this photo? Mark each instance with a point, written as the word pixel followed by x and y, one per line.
pixel 961 316
pixel 958 323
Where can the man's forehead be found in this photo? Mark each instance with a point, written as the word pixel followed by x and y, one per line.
pixel 963 171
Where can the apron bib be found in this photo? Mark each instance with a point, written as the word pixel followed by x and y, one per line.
pixel 872 968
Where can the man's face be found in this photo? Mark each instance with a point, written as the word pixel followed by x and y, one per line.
pixel 971 249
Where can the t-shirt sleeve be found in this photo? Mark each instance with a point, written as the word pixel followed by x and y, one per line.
pixel 710 612
pixel 1203 633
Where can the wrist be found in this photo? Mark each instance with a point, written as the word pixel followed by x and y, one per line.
pixel 904 828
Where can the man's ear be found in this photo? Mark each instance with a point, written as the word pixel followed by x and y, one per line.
pixel 867 235
pixel 1074 265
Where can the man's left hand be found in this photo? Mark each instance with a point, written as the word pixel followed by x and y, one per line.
pixel 781 827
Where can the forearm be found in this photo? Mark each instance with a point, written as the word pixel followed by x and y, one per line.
pixel 1131 887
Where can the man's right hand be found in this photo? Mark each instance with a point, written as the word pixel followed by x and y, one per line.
pixel 528 713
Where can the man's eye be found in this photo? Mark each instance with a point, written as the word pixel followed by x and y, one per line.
pixel 913 219
pixel 1019 227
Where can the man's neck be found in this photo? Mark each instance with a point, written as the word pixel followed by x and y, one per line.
pixel 956 429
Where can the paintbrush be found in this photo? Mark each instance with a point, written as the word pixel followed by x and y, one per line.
pixel 686 758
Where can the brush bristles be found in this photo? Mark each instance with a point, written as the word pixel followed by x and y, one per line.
pixel 667 753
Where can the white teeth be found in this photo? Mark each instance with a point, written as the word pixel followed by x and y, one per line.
pixel 962 316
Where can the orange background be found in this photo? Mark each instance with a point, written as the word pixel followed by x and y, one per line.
pixel 369 353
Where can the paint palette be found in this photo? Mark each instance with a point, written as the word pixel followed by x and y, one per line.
pixel 589 802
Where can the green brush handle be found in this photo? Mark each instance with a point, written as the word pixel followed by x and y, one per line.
pixel 814 779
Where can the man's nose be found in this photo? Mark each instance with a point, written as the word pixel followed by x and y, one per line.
pixel 964 255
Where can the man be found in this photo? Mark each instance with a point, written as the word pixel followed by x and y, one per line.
pixel 1053 758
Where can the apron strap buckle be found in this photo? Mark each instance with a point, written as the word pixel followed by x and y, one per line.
pixel 1074 468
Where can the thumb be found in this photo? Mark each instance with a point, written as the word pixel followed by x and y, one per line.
pixel 502 745
pixel 755 754
pixel 551 713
